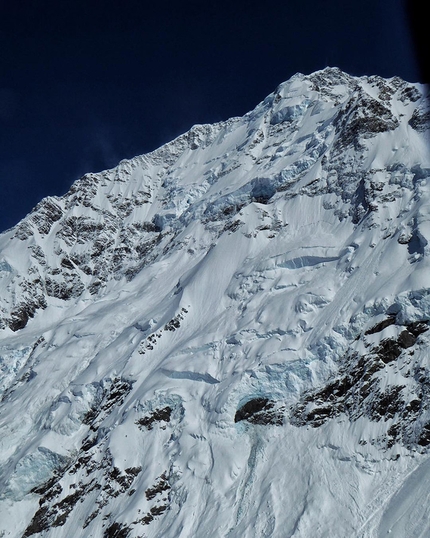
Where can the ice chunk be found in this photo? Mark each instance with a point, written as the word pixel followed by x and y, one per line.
pixel 290 113
pixel 32 471
pixel 5 267
pixel 11 362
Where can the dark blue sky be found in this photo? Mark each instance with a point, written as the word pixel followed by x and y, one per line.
pixel 86 84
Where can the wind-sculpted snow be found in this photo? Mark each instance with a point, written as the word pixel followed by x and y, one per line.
pixel 228 336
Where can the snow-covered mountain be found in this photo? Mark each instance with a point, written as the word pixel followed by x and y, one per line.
pixel 228 337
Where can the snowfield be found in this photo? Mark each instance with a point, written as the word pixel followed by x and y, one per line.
pixel 229 336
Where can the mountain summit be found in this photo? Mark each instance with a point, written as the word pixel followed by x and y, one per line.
pixel 228 336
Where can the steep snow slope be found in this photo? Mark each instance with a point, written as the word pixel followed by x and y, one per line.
pixel 228 336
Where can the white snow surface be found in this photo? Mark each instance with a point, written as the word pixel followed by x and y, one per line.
pixel 243 260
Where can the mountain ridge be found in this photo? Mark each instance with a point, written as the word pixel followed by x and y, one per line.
pixel 121 205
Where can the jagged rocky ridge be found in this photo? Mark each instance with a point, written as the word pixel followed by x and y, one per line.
pixel 252 296
pixel 110 225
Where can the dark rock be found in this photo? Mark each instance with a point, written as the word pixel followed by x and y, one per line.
pixel 113 395
pixel 159 415
pixel 233 226
pixel 133 471
pixel 88 443
pixel 393 435
pixel 146 520
pixel 159 487
pixel 424 438
pixel 175 322
pixel 158 510
pixel 406 339
pixel 68 285
pixel 409 94
pixel 364 117
pixel 117 531
pixel 389 350
pixel 45 214
pixel 260 411
pixel 357 391
pixel 39 522
pixel 253 406
pixel 386 404
pixel 420 120
pixel 418 327
pixel 24 311
pixel 66 263
pixel 51 485
pixel 381 325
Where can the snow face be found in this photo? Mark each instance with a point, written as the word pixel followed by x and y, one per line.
pixel 230 332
